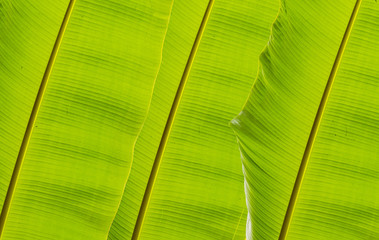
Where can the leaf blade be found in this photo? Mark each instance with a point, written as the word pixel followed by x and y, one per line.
pixel 24 54
pixel 78 157
pixel 198 192
pixel 344 160
pixel 181 33
pixel 274 126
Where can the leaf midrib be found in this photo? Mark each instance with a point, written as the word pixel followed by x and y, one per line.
pixel 169 123
pixel 33 117
pixel 316 125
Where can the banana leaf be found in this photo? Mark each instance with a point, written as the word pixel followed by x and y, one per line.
pixel 114 119
pixel 76 154
pixel 197 191
pixel 88 88
pixel 24 54
pixel 308 133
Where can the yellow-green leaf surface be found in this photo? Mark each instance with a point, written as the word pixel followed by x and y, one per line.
pixel 110 64
pixel 340 189
pixel 197 192
pixel 308 132
pixel 185 20
pixel 78 158
pixel 27 35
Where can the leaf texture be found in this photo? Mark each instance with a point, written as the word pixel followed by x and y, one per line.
pixel 28 33
pixel 83 139
pixel 113 83
pixel 198 191
pixel 338 198
pixel 184 23
pixel 79 155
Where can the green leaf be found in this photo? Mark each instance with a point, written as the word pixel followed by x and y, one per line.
pixel 24 54
pixel 308 133
pixel 183 26
pixel 98 110
pixel 76 163
pixel 197 190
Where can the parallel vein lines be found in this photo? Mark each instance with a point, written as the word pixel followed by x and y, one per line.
pixel 168 127
pixel 142 125
pixel 33 117
pixel 316 125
